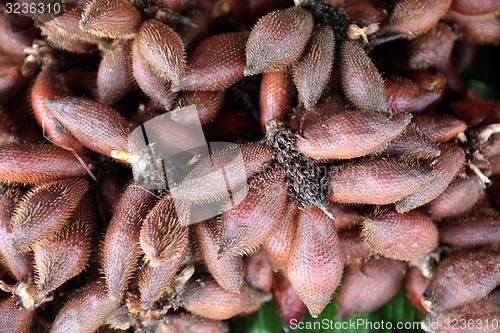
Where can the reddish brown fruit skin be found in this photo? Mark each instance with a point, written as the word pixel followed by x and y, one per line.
pixel 114 78
pixel 354 250
pixel 17 264
pixel 432 49
pixel 64 32
pixel 120 249
pixel 155 280
pixel 446 166
pixel 411 144
pixel 403 95
pixel 97 126
pixel 162 237
pixel 361 82
pixel 289 304
pixel 13 317
pixel 47 85
pixel 405 237
pixel 367 287
pixel 11 81
pixel 65 255
pixel 332 104
pixel 227 271
pixel 476 29
pixel 150 83
pixel 279 243
pixel 110 19
pixel 474 229
pixel 210 184
pixel 207 299
pixel 344 216
pixel 247 225
pixel 463 277
pixel 39 164
pixel 485 310
pixel 86 310
pixel 413 17
pixel 350 134
pixel 458 198
pixel 475 8
pixel 190 323
pixel 376 181
pixel 440 128
pixel 278 40
pixel 415 285
pixel 44 210
pixel 13 42
pixel 208 103
pixel 275 96
pixel 259 273
pixel 190 36
pixel 163 50
pixel 215 63
pixel 315 265
pixel 312 72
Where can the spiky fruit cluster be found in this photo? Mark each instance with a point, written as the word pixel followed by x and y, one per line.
pixel 354 176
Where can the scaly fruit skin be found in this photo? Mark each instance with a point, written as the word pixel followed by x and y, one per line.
pixel 18 265
pixel 368 286
pixel 111 19
pixel 312 72
pixel 13 317
pixel 474 229
pixel 114 78
pixel 413 17
pixel 315 265
pixel 403 237
pixel 227 271
pixel 446 166
pixel 275 96
pixel 215 64
pixel 458 198
pixel 415 285
pixel 247 225
pixel 66 254
pixel 207 299
pixel 86 310
pixel 48 85
pixel 97 126
pixel 361 81
pixel 40 164
pixel 120 249
pixel 376 181
pixel 278 40
pixel 163 50
pixel 44 211
pixel 350 134
pixel 463 277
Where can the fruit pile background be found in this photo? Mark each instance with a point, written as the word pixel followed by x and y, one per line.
pixel 369 133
